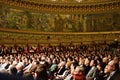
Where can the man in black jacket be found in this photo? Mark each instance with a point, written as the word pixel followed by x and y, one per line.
pixel 113 70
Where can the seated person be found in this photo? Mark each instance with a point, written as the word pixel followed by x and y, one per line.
pixel 78 73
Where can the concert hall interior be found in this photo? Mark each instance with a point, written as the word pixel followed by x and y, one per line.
pixel 59 39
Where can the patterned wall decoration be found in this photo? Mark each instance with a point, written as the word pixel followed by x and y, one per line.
pixel 46 22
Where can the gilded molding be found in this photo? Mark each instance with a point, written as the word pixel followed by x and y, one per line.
pixel 66 8
pixel 10 37
pixel 57 33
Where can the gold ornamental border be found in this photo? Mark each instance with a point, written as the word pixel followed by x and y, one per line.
pixel 56 33
pixel 75 8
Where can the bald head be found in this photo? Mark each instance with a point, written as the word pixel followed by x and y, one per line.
pixel 112 66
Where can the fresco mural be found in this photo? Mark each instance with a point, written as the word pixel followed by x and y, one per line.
pixel 45 22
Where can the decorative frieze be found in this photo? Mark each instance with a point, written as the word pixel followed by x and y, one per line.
pixel 76 8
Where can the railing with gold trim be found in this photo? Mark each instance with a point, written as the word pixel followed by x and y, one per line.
pixel 10 37
pixel 66 33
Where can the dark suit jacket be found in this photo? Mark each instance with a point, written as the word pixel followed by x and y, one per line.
pixel 92 73
pixel 116 76
pixel 6 76
pixel 20 73
pixel 61 70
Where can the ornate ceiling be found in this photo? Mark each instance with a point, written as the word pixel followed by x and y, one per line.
pixel 65 6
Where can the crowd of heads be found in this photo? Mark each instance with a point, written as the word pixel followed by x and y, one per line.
pixel 95 61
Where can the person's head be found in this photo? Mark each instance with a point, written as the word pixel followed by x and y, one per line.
pixel 87 62
pixel 19 66
pixel 105 60
pixel 106 69
pixel 13 70
pixel 93 63
pixel 40 72
pixel 79 70
pixel 25 60
pixel 73 66
pixel 36 63
pixel 61 64
pixel 116 59
pixel 69 59
pixel 78 73
pixel 54 61
pixel 81 61
pixel 68 65
pixel 112 66
pixel 99 61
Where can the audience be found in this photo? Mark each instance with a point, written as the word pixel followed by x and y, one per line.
pixel 95 61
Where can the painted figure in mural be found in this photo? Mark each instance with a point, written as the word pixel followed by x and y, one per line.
pixel 45 22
